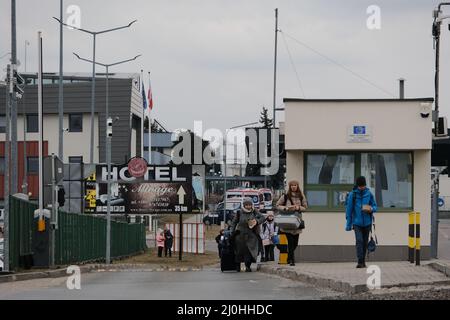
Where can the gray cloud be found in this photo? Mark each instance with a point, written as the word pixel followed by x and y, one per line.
pixel 212 60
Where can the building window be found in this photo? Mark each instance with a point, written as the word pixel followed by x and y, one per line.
pixel 2 124
pixel 2 165
pixel 329 176
pixel 390 177
pixel 78 159
pixel 76 122
pixel 33 165
pixel 32 123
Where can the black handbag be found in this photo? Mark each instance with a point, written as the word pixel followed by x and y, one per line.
pixel 302 224
pixel 372 244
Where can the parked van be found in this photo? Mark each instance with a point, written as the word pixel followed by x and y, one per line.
pixel 256 195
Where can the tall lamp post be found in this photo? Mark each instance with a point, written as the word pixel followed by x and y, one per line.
pixel 109 124
pixel 93 61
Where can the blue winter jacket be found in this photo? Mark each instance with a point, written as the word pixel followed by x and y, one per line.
pixel 355 215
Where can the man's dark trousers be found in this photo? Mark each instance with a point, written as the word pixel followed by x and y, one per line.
pixel 362 238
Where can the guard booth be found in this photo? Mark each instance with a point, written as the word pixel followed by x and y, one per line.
pixel 331 142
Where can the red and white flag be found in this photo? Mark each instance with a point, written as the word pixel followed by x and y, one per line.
pixel 150 97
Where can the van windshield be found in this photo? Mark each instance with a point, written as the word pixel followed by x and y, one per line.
pixel 267 197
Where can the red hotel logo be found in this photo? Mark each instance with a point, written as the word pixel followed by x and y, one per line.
pixel 137 167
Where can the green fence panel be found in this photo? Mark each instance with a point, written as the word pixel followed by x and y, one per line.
pixel 79 238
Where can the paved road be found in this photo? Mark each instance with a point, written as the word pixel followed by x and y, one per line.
pixel 208 284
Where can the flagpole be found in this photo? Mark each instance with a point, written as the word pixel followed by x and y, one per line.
pixel 143 113
pixel 149 123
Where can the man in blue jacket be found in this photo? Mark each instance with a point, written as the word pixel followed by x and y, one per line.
pixel 360 208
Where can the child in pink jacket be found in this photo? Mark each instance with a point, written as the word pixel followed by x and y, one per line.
pixel 160 242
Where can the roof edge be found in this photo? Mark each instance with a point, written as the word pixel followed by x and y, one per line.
pixel 358 100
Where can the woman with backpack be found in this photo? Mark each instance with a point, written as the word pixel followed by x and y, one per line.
pixel 245 235
pixel 269 229
pixel 293 202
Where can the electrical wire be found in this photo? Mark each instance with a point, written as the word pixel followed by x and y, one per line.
pixel 293 65
pixel 338 64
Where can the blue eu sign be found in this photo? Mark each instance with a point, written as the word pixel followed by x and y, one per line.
pixel 440 202
pixel 359 129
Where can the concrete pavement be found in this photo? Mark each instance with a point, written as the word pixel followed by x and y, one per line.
pixel 346 278
pixel 208 284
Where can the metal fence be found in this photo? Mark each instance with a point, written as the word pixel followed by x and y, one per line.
pixel 20 230
pixel 79 238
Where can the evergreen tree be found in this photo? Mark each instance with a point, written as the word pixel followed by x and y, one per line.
pixel 264 119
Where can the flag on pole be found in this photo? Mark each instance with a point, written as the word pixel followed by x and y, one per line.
pixel 144 99
pixel 150 97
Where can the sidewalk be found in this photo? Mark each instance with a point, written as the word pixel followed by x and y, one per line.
pixel 344 277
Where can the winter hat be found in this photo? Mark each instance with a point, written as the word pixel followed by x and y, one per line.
pixel 246 201
pixel 361 181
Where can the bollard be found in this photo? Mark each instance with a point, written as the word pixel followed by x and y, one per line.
pixel 417 238
pixel 411 237
pixel 283 247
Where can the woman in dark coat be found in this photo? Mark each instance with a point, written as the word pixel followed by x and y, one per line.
pixel 245 233
pixel 168 242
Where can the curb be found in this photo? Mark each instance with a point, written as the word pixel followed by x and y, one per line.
pixel 43 274
pixel 445 269
pixel 145 268
pixel 338 285
pixel 58 273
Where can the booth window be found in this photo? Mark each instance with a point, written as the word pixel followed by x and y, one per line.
pixel 329 176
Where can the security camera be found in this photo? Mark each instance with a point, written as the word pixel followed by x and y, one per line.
pixel 425 110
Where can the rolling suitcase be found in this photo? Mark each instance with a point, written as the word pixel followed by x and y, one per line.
pixel 227 259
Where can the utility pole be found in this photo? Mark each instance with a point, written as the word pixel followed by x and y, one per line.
pixel 438 18
pixel 7 168
pixel 61 88
pixel 14 157
pixel 24 116
pixel 275 68
pixel 93 61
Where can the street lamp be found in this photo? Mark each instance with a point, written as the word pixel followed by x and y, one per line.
pixel 109 124
pixel 93 61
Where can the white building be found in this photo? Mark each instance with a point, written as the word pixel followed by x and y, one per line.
pixel 331 142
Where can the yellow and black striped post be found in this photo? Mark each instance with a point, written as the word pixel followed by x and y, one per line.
pixel 411 237
pixel 283 247
pixel 417 238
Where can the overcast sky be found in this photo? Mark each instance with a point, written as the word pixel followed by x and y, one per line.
pixel 212 60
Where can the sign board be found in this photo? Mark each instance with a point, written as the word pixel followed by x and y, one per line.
pixel 359 134
pixel 441 202
pixel 160 189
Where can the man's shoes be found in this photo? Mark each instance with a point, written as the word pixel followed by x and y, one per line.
pixel 292 263
pixel 359 266
pixel 247 269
